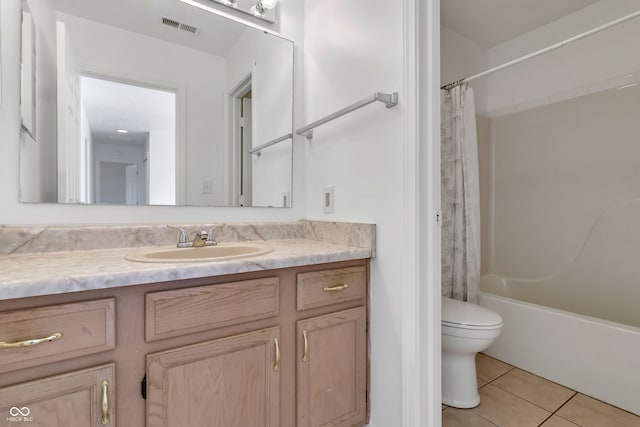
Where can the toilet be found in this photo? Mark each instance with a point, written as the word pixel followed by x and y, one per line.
pixel 466 330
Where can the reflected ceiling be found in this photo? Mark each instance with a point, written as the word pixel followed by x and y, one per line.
pixel 133 15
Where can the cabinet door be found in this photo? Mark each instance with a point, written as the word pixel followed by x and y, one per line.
pixel 230 382
pixel 76 399
pixel 332 369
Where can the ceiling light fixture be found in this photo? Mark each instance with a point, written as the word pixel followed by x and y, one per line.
pixel 241 6
pixel 262 6
pixel 122 131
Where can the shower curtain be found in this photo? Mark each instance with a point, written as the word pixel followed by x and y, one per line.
pixel 460 196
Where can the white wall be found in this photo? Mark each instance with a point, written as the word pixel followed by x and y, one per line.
pixel 13 212
pixel 462 57
pixel 351 51
pixel 116 153
pixel 270 60
pixel 162 168
pixel 113 183
pixel 578 68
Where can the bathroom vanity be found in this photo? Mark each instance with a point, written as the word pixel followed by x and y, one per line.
pixel 273 340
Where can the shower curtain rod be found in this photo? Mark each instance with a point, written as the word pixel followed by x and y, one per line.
pixel 544 50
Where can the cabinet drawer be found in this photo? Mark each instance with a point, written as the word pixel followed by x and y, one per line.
pixel 325 287
pixel 73 330
pixel 181 311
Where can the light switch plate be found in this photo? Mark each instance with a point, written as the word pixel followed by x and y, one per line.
pixel 207 187
pixel 327 200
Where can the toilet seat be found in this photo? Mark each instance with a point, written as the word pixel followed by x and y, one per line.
pixel 464 315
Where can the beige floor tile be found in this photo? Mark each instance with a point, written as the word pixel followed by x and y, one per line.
pixel 556 421
pixel 537 390
pixel 481 382
pixel 488 368
pixel 588 412
pixel 452 417
pixel 506 410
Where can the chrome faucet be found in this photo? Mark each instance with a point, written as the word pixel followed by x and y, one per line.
pixel 201 238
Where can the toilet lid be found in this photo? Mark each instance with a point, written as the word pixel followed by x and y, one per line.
pixel 459 314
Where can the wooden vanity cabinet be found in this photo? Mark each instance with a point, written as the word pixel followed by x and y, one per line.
pixel 332 349
pixel 221 351
pixel 332 369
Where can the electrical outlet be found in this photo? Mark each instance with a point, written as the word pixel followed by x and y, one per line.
pixel 207 187
pixel 327 200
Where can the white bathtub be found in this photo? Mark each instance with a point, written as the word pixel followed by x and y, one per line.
pixel 595 357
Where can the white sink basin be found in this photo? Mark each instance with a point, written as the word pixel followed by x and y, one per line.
pixel 221 252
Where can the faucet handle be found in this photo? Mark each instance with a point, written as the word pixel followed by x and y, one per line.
pixel 211 239
pixel 183 240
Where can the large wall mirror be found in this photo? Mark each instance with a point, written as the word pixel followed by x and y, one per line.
pixel 152 102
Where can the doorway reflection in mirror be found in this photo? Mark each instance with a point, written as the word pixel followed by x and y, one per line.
pixel 128 141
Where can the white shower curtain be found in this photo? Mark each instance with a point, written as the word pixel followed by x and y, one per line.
pixel 460 195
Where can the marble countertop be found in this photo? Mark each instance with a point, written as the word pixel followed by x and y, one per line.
pixel 47 273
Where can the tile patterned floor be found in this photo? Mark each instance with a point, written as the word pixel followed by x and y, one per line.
pixel 511 397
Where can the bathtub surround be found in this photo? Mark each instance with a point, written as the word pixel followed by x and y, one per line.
pixel 564 200
pixel 460 195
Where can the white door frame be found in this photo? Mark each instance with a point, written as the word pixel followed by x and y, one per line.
pixel 421 313
pixel 68 118
pixel 232 171
pixel 136 181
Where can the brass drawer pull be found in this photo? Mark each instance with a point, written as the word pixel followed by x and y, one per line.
pixel 105 402
pixel 29 343
pixel 306 346
pixel 276 365
pixel 337 288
